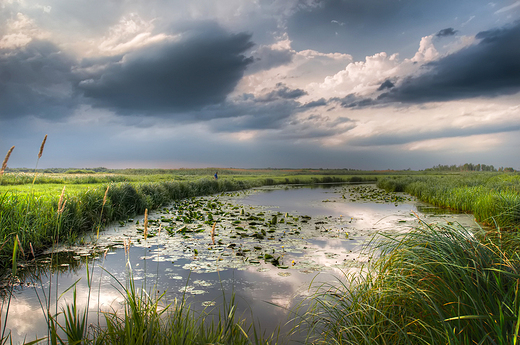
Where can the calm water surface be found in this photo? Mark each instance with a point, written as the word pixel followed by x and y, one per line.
pixel 324 234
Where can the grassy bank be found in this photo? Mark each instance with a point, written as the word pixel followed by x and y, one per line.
pixel 493 198
pixel 434 285
pixel 77 176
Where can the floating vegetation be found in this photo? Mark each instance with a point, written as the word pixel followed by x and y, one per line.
pixel 214 233
pixel 191 290
pixel 208 304
pixel 370 193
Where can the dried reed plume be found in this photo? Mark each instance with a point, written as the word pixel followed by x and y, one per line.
pixel 126 244
pixel 213 233
pixel 39 156
pixel 145 224
pixel 4 164
pixel 20 245
pixel 62 202
pixel 32 250
pixel 105 197
pixel 101 214
pixel 42 146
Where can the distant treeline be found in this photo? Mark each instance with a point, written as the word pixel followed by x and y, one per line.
pixel 187 171
pixel 63 170
pixel 242 171
pixel 469 167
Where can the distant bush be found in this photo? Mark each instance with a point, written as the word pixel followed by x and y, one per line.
pixel 79 171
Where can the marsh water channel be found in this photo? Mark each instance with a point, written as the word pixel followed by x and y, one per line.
pixel 270 246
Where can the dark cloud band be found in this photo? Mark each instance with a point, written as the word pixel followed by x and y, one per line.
pixel 36 80
pixel 487 69
pixel 171 76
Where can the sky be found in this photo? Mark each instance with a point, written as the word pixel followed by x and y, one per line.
pixel 360 84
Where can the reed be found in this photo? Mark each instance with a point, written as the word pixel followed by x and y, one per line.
pixel 6 159
pixel 213 233
pixel 40 153
pixel 42 146
pixel 145 224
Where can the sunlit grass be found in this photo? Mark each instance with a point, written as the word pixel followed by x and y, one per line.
pixel 493 198
pixel 434 285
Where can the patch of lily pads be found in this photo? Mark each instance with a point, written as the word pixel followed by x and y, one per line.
pixel 214 233
pixel 370 193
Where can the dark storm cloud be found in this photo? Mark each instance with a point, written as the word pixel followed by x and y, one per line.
pixel 285 92
pixel 352 101
pixel 362 103
pixel 446 32
pixel 319 103
pixel 487 69
pixel 384 25
pixel 278 118
pixel 200 69
pixel 250 114
pixel 317 126
pixel 387 84
pixel 282 92
pixel 35 80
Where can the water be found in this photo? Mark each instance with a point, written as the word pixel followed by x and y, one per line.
pixel 319 234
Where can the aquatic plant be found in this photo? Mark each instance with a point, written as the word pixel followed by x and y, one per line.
pixel 145 320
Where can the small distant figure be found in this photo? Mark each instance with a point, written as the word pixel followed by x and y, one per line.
pixel 216 176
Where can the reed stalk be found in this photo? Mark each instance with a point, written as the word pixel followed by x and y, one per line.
pixel 39 156
pixel 145 224
pixel 6 159
pixel 213 233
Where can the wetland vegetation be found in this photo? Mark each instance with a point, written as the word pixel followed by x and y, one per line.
pixel 434 283
pixel 493 198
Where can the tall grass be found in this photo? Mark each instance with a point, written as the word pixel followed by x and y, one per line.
pixel 434 285
pixel 146 320
pixel 493 198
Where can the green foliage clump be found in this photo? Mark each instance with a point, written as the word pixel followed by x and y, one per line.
pixel 493 198
pixel 145 321
pixel 434 285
